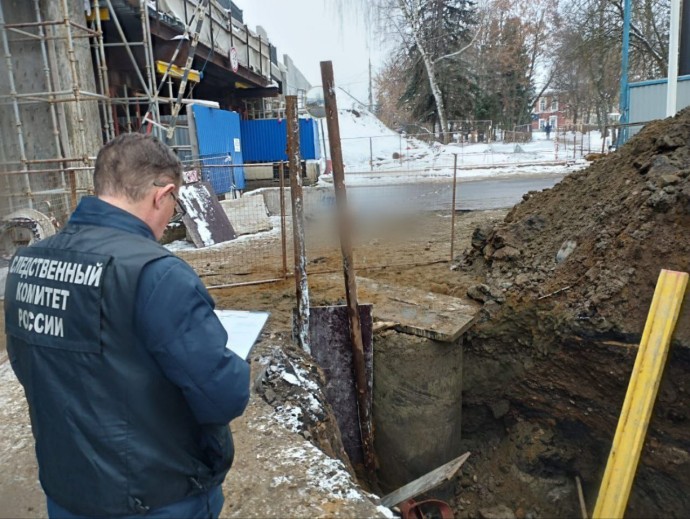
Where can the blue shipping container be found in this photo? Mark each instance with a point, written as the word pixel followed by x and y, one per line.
pixel 265 140
pixel 220 146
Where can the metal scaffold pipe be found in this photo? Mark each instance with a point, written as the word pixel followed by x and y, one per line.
pixel 17 117
pixel 53 111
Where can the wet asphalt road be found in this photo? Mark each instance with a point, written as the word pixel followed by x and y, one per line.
pixel 438 196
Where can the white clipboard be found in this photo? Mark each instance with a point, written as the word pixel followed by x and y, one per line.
pixel 243 329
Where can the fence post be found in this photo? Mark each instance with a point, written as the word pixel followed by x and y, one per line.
pixel 452 214
pixel 371 155
pixel 283 237
pixel 301 285
pixel 364 399
pixel 574 145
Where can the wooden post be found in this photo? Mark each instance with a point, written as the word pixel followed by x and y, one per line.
pixel 301 284
pixel 283 237
pixel 364 399
pixel 452 214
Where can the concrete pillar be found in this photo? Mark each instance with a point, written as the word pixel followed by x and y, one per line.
pixel 417 405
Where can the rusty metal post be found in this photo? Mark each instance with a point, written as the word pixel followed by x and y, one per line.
pixel 452 214
pixel 301 284
pixel 364 398
pixel 283 237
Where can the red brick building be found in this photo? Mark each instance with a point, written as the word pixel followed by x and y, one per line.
pixel 550 108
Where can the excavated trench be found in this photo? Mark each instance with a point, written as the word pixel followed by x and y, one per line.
pixel 535 391
pixel 568 278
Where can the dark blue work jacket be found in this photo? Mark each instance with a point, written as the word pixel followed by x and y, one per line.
pixel 124 366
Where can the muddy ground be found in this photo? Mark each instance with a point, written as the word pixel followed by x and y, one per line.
pixel 276 471
pixel 565 278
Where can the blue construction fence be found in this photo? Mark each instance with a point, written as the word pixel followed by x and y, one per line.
pixel 227 143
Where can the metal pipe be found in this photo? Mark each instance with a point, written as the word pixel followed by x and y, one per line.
pixel 135 65
pixel 301 284
pixel 452 214
pixel 128 116
pixel 187 68
pixel 13 92
pixel 684 59
pixel 75 78
pixel 103 75
pixel 283 236
pixel 364 399
pixel 673 36
pixel 53 111
pixel 150 65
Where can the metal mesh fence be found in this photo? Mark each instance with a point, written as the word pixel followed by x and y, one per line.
pixel 390 225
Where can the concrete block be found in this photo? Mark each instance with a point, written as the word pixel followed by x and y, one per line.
pixel 248 215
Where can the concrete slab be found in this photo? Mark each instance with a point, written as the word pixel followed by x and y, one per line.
pixel 248 215
pixel 205 220
pixel 434 316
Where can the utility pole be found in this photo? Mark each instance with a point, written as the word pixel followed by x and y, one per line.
pixel 371 102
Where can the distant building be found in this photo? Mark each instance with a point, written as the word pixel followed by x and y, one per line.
pixel 551 108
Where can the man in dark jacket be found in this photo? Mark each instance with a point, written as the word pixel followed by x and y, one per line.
pixel 123 361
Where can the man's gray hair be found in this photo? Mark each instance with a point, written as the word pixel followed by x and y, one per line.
pixel 130 164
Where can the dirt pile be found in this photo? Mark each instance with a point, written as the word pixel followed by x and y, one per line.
pixel 593 245
pixel 569 277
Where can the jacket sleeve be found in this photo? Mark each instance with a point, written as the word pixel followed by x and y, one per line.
pixel 174 315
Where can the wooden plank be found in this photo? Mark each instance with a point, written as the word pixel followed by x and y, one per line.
pixel 331 347
pixel 435 316
pixel 425 483
pixel 642 391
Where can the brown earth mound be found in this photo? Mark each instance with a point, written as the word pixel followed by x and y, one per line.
pixel 570 274
pixel 595 243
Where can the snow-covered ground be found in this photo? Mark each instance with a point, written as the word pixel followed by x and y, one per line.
pixel 373 153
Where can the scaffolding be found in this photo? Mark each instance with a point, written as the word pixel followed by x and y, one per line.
pixel 273 107
pixel 57 105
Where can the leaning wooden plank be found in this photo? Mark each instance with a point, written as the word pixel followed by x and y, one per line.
pixel 642 391
pixel 425 483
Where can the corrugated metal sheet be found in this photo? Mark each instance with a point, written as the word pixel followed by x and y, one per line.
pixel 647 100
pixel 265 140
pixel 219 138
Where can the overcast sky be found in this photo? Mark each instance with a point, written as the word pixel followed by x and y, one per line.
pixel 310 31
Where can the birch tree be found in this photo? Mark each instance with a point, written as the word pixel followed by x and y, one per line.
pixel 431 32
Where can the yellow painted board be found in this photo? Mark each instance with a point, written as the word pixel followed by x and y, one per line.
pixel 177 72
pixel 105 14
pixel 641 394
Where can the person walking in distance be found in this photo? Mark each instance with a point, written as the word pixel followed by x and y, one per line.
pixel 123 361
pixel 547 129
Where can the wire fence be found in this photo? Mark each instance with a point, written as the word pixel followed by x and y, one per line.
pixel 390 225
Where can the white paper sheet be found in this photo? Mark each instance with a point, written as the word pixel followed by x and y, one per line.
pixel 243 329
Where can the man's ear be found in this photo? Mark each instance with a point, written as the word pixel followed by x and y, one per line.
pixel 160 194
